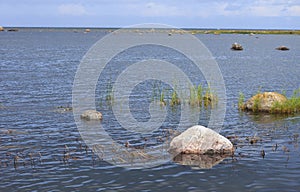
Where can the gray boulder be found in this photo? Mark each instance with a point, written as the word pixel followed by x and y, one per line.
pixel 91 115
pixel 200 140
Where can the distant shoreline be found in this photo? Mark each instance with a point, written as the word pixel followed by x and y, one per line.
pixel 190 30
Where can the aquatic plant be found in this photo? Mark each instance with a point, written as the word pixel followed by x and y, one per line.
pixel 196 95
pixel 109 93
pixel 200 94
pixel 256 104
pixel 209 98
pixel 175 100
pixel 162 99
pixel 193 96
pixel 241 101
pixel 290 106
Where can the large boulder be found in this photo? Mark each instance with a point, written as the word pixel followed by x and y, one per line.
pixel 200 140
pixel 264 101
pixel 91 115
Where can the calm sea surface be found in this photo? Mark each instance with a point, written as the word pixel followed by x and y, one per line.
pixel 41 148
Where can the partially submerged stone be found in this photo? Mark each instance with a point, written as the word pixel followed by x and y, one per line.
pixel 91 115
pixel 200 140
pixel 264 101
pixel 282 48
pixel 63 109
pixel 200 161
pixel 236 47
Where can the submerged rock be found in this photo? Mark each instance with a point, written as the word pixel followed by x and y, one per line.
pixel 236 47
pixel 283 48
pixel 264 101
pixel 91 115
pixel 200 140
pixel 62 109
pixel 200 161
pixel 13 30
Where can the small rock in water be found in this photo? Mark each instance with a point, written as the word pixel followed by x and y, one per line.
pixel 62 109
pixel 91 115
pixel 282 48
pixel 264 101
pixel 236 47
pixel 200 140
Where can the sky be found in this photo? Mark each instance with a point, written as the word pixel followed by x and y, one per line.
pixel 230 14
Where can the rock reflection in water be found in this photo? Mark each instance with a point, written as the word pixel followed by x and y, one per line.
pixel 200 161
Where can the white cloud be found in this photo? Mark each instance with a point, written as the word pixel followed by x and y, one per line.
pixel 153 9
pixel 72 9
pixel 266 8
pixel 294 10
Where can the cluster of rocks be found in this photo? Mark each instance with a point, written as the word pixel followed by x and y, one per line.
pixel 197 146
pixel 238 47
pixel 9 30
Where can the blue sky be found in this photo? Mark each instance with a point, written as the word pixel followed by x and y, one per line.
pixel 248 14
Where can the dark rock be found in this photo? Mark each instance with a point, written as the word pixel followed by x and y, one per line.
pixel 283 48
pixel 236 47
pixel 13 30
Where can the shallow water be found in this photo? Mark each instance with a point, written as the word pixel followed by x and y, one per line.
pixel 37 74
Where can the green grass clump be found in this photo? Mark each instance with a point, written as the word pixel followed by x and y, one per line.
pixel 241 101
pixel 162 99
pixel 209 98
pixel 193 96
pixel 175 100
pixel 109 94
pixel 290 106
pixel 200 96
pixel 256 104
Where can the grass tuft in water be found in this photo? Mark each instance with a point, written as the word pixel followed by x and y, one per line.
pixel 241 101
pixel 109 94
pixel 175 100
pixel 291 106
pixel 162 99
pixel 209 98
